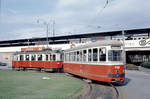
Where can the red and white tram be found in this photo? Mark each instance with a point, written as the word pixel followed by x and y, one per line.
pixel 37 58
pixel 100 61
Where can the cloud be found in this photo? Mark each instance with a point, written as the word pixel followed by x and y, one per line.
pixel 28 33
pixel 76 16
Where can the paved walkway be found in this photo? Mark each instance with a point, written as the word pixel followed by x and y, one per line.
pixel 5 67
pixel 137 86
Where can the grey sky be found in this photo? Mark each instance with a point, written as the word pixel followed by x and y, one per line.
pixel 18 17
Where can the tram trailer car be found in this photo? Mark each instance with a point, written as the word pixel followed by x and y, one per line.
pixel 37 59
pixel 100 61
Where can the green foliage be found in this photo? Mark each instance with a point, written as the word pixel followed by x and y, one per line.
pixel 30 85
pixel 131 67
pixel 146 64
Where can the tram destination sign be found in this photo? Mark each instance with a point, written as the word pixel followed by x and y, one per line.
pixel 32 49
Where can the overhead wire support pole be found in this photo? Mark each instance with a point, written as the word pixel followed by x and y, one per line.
pixel 47 29
pixel 53 28
pixel 124 53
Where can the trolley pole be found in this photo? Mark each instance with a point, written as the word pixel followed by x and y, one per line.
pixel 124 52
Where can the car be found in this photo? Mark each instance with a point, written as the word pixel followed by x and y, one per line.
pixel 2 64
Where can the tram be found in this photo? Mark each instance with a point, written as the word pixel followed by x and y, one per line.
pixel 100 61
pixel 37 58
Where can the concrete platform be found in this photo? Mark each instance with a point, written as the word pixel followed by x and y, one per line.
pixel 137 86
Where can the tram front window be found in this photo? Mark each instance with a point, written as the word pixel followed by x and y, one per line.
pixel 114 55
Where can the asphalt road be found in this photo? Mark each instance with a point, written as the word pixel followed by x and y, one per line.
pixel 137 86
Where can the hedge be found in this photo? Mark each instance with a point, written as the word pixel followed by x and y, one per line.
pixel 145 64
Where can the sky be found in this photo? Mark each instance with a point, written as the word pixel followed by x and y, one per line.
pixel 18 18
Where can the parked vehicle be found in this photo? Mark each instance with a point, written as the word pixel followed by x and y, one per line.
pixel 3 64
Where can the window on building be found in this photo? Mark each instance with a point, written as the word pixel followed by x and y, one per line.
pixel 95 52
pixel 102 54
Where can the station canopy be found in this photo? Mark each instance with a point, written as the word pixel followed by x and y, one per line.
pixel 65 39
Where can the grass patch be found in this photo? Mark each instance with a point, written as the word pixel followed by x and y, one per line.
pixel 30 85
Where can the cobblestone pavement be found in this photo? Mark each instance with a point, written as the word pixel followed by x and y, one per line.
pixel 137 86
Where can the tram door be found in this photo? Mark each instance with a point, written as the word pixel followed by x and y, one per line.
pixel 85 59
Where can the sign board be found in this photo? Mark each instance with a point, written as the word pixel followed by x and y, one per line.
pixel 32 49
pixel 137 43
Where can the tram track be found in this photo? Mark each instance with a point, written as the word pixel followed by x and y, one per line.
pixel 101 91
pixel 116 90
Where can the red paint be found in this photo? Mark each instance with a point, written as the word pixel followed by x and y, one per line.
pixel 37 64
pixel 94 72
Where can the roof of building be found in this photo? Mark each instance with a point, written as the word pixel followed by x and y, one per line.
pixel 65 39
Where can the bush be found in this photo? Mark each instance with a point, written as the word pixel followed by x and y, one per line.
pixel 131 67
pixel 145 64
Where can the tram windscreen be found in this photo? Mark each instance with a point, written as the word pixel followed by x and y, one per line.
pixel 114 55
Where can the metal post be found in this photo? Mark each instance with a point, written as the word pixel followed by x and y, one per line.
pixel 47 33
pixel 53 28
pixel 124 53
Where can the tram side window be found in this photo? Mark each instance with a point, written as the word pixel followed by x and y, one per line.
pixel 102 54
pixel 114 55
pixel 74 56
pixel 95 52
pixel 67 56
pixel 51 58
pixel 33 57
pixel 84 55
pixel 78 56
pixel 46 57
pixel 54 57
pixel 39 57
pixel 89 55
pixel 70 57
pixel 27 57
pixel 15 58
pixel 21 58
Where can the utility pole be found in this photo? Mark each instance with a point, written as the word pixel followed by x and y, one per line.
pixel 124 52
pixel 53 28
pixel 47 29
pixel 0 6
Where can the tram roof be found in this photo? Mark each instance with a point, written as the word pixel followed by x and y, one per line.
pixel 96 44
pixel 65 39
